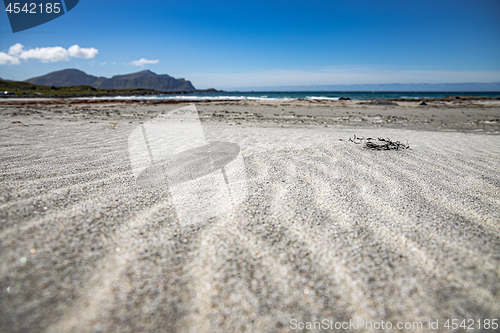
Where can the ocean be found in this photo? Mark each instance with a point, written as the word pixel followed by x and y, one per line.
pixel 307 95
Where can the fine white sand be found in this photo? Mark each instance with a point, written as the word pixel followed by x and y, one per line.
pixel 327 230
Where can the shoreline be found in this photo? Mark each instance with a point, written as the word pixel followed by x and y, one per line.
pixel 146 94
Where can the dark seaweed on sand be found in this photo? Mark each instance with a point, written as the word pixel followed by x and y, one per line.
pixel 379 143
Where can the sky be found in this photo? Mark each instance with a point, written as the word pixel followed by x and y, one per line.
pixel 237 44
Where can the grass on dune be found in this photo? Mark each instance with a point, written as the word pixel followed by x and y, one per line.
pixel 20 88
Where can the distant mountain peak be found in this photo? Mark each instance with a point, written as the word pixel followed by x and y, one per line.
pixel 147 71
pixel 69 70
pixel 145 79
pixel 64 78
pixel 142 74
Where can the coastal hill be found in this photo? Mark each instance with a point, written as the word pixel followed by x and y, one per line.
pixel 140 80
pixel 64 78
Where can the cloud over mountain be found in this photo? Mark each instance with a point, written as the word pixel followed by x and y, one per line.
pixel 141 62
pixel 80 52
pixel 45 54
pixel 6 59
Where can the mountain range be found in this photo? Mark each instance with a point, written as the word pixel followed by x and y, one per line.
pixel 140 80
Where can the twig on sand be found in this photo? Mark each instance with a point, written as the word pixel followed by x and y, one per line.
pixel 379 143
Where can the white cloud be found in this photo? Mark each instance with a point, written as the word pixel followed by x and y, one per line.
pixel 143 61
pixel 104 63
pixel 6 59
pixel 45 54
pixel 15 49
pixel 80 52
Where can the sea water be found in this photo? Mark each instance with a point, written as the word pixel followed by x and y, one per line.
pixel 306 95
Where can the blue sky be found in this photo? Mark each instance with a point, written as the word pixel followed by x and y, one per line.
pixel 235 44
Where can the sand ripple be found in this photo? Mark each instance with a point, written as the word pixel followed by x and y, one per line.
pixel 329 230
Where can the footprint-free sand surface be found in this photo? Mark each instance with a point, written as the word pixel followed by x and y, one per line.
pixel 328 230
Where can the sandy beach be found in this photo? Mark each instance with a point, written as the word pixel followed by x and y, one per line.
pixel 327 230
